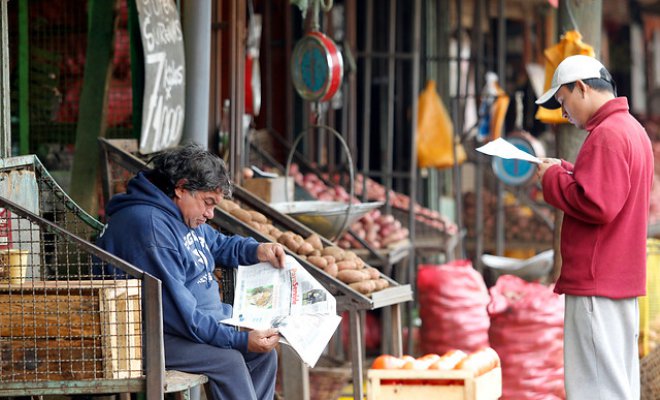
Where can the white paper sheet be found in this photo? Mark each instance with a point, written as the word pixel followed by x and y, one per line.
pixel 501 148
pixel 289 299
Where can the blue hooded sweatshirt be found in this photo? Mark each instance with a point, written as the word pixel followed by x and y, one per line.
pixel 146 229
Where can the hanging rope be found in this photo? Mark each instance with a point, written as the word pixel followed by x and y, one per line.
pixel 317 5
pixel 326 5
pixel 571 17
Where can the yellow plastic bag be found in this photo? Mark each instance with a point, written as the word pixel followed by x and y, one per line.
pixel 498 113
pixel 435 132
pixel 570 44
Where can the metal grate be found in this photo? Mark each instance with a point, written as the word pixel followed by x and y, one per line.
pixel 48 66
pixel 64 316
pixel 77 324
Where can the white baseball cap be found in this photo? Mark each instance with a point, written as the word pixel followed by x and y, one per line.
pixel 572 69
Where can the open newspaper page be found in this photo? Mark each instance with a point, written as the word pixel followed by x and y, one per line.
pixel 289 299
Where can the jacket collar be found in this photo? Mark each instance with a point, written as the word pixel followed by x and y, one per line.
pixel 618 104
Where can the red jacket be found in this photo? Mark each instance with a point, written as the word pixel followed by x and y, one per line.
pixel 605 199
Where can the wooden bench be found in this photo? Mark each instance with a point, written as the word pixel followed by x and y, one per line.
pixel 180 384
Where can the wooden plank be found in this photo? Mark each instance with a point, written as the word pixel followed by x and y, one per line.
pixel 72 387
pixel 40 315
pixel 32 314
pixel 122 331
pixel 31 359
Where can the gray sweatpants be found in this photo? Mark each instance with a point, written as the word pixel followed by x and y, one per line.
pixel 232 375
pixel 601 358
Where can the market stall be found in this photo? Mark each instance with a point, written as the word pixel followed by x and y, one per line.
pixel 120 163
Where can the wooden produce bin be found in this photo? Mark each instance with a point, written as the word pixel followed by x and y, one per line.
pixel 398 384
pixel 70 330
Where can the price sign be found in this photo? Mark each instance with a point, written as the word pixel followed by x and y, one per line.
pixel 164 89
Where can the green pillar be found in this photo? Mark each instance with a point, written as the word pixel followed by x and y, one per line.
pixel 23 77
pixel 93 103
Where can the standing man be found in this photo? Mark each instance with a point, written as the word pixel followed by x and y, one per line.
pixel 605 200
pixel 159 226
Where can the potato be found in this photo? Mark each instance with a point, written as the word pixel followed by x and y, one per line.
pixel 382 283
pixel 256 225
pixel 292 244
pixel 284 237
pixel 364 287
pixel 317 261
pixel 331 270
pixel 305 249
pixel 334 251
pixel 274 232
pixel 259 217
pixel 351 276
pixel 315 241
pixel 241 214
pixel 373 272
pixel 330 259
pixel 227 205
pixel 342 265
pixel 298 238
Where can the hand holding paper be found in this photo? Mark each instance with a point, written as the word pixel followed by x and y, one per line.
pixel 501 148
pixel 288 301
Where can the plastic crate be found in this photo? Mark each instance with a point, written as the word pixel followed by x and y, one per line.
pixel 649 305
pixel 399 384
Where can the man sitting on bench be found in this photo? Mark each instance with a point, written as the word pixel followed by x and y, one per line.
pixel 159 226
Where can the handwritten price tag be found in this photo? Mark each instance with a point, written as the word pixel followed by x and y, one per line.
pixel 164 87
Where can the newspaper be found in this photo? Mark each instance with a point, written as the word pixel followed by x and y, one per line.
pixel 501 148
pixel 288 299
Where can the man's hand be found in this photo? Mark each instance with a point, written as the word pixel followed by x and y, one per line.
pixel 271 252
pixel 262 341
pixel 545 164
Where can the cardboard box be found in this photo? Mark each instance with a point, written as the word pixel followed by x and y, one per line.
pixel 270 190
pixel 70 330
pixel 399 384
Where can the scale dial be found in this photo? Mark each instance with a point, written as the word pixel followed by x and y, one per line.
pixel 316 67
pixel 518 172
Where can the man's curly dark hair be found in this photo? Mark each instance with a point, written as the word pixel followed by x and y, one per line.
pixel 194 166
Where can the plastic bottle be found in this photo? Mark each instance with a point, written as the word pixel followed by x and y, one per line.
pixel 488 95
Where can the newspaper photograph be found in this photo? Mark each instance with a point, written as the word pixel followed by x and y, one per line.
pixel 288 299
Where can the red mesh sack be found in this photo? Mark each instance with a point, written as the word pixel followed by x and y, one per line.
pixel 527 331
pixel 452 305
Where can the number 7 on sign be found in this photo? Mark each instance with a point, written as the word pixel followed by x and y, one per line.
pixel 154 98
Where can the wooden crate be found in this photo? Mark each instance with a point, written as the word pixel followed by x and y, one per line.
pixel 270 190
pixel 70 330
pixel 446 385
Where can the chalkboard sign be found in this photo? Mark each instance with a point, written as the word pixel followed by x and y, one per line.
pixel 164 85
